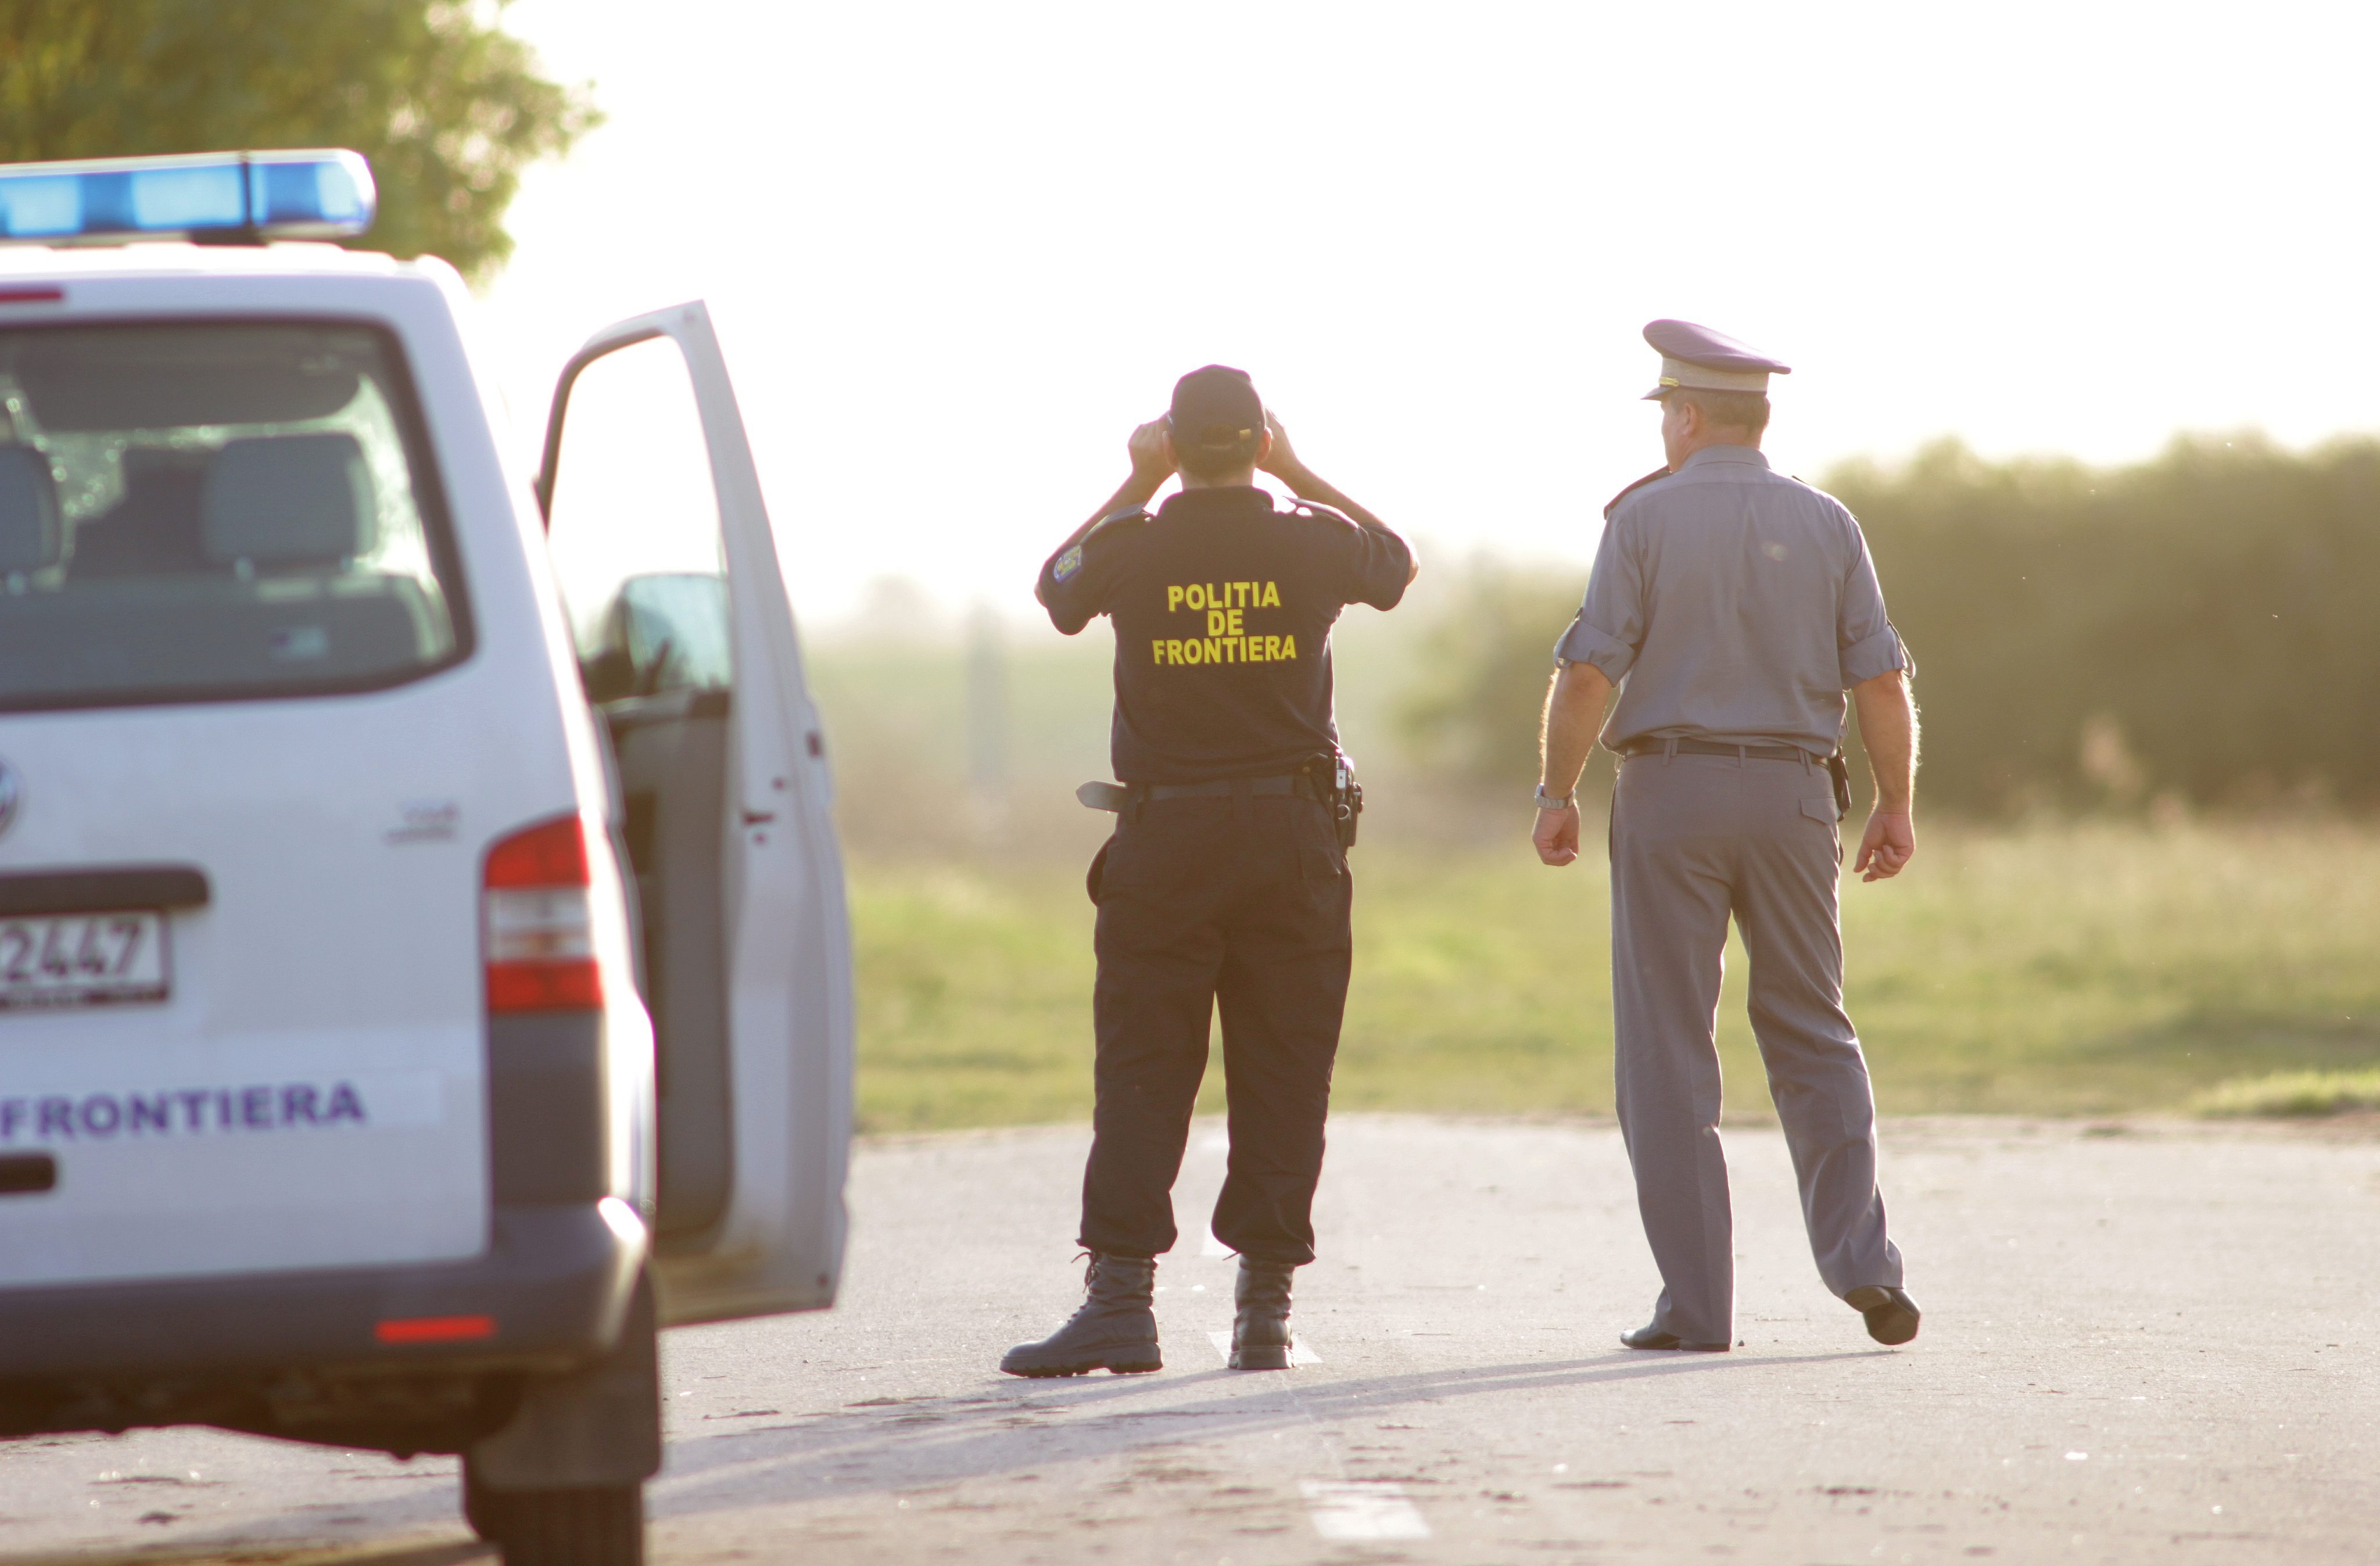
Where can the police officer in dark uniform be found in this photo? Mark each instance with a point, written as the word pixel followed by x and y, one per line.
pixel 1225 883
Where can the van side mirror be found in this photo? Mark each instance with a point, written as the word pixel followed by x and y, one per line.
pixel 665 632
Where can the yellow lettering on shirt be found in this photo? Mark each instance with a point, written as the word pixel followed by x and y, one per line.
pixel 1222 645
pixel 1228 639
pixel 1198 597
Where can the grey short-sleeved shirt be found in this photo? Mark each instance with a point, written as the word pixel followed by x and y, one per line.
pixel 1732 604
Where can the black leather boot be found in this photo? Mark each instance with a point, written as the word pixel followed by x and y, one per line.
pixel 1115 1330
pixel 1261 1331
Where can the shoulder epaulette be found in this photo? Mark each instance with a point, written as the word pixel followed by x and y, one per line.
pixel 1613 503
pixel 1316 508
pixel 1134 514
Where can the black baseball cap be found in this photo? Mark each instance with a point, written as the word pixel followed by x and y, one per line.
pixel 1216 407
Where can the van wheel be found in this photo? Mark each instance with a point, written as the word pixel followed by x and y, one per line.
pixel 598 1526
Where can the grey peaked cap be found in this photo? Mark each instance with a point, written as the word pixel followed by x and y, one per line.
pixel 1698 356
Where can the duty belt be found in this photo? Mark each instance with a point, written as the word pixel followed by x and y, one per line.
pixel 1113 797
pixel 1705 747
pixel 1837 770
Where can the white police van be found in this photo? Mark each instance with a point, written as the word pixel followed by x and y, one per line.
pixel 414 989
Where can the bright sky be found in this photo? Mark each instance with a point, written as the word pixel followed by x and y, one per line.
pixel 956 252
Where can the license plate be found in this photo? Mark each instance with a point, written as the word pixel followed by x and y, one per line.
pixel 83 959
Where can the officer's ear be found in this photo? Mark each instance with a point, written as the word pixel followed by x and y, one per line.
pixel 1264 444
pixel 1165 444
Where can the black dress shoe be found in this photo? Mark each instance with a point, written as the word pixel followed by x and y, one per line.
pixel 1651 1337
pixel 1892 1315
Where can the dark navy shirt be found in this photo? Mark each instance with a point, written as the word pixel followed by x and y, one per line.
pixel 1223 609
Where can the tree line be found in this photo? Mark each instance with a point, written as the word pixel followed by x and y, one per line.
pixel 448 107
pixel 2198 629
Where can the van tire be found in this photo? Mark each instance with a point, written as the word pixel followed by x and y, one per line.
pixel 596 1526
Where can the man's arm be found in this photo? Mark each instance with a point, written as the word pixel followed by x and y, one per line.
pixel 1152 464
pixel 1887 720
pixel 1282 462
pixel 1574 705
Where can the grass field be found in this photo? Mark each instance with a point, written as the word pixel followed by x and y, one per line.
pixel 2077 970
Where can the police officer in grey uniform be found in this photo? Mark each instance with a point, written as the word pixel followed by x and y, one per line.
pixel 1731 608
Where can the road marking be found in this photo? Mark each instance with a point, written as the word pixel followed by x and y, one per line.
pixel 1362 1510
pixel 1215 1142
pixel 1210 1246
pixel 1301 1352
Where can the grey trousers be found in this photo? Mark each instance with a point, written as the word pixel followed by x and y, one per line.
pixel 1695 839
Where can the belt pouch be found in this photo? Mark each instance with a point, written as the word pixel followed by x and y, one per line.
pixel 1841 770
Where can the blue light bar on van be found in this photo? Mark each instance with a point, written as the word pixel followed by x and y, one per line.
pixel 312 195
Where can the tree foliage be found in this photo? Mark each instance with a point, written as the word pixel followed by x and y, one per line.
pixel 1471 713
pixel 447 106
pixel 2200 627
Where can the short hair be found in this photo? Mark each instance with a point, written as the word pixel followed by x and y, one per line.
pixel 1226 451
pixel 1730 410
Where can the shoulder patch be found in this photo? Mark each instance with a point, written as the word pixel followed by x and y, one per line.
pixel 1068 564
pixel 1613 503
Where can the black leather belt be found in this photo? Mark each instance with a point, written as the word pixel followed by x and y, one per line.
pixel 1223 788
pixel 1705 747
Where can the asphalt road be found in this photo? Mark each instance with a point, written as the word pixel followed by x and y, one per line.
pixel 2146 1343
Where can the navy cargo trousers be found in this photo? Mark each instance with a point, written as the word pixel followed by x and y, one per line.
pixel 1240 903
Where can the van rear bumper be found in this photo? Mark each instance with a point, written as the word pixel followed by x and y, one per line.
pixel 551 1289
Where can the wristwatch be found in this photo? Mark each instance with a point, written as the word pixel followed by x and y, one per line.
pixel 1547 802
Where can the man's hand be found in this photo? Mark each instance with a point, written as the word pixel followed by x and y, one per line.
pixel 1574 703
pixel 1151 450
pixel 1277 458
pixel 1890 839
pixel 1557 835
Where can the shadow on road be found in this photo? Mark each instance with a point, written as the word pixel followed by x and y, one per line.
pixel 910 1444
pixel 222 1553
pixel 883 1445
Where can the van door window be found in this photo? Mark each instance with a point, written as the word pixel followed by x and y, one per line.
pixel 215 511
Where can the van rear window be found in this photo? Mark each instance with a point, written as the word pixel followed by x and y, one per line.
pixel 204 512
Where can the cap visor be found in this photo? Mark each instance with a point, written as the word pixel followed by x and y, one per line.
pixel 1656 393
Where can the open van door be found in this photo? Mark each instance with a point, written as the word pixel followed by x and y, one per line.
pixel 689 655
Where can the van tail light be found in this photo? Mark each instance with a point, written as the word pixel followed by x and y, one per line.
pixel 538 925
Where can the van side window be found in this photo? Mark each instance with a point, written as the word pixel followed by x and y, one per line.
pixel 217 511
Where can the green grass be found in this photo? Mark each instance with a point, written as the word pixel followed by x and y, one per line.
pixel 2292 1094
pixel 2060 970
